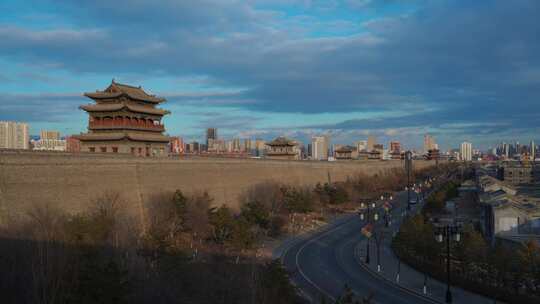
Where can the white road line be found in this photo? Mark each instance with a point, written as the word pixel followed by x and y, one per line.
pixel 340 261
pixel 340 226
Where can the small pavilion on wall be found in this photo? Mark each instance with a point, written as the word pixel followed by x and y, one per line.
pixel 282 148
pixel 124 119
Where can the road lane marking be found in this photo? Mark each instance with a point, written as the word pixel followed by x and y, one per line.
pixel 299 252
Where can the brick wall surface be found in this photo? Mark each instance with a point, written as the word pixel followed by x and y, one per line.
pixel 72 181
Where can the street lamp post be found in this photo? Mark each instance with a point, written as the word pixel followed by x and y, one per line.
pixel 408 169
pixel 398 270
pixel 447 232
pixel 387 207
pixel 378 240
pixel 367 217
pixel 417 191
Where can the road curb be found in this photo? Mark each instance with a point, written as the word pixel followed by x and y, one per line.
pixel 394 284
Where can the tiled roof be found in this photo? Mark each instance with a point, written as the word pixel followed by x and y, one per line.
pixel 344 149
pixel 122 135
pixel 281 141
pixel 103 107
pixel 120 106
pixel 116 90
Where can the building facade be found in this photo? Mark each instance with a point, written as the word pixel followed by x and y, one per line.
pixel 319 148
pixel 45 134
pixel 73 144
pixel 395 146
pixel 211 136
pixel 344 152
pixel 508 212
pixel 361 145
pixel 49 141
pixel 124 119
pixel 14 135
pixel 429 143
pixel 520 174
pixel 281 148
pixel 433 154
pixel 176 145
pixel 260 147
pixel 49 145
pixel 466 151
pixel 371 142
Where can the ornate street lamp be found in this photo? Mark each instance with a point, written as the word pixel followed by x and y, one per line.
pixel 408 171
pixel 387 207
pixel 448 232
pixel 367 229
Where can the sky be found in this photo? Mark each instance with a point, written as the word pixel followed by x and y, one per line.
pixel 396 69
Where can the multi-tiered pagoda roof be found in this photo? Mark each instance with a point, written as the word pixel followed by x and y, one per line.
pixel 124 113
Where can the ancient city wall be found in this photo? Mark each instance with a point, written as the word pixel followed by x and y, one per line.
pixel 71 182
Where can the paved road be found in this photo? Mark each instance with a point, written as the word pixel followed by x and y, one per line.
pixel 323 262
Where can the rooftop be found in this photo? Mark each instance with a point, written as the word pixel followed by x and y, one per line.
pixel 119 106
pixel 281 141
pixel 345 149
pixel 115 90
pixel 501 195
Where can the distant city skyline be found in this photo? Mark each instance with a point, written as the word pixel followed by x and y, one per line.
pixel 392 69
pixel 427 139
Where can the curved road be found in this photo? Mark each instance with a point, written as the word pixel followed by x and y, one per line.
pixel 322 264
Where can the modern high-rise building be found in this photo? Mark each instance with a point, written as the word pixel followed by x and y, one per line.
pixel 229 146
pixel 532 149
pixel 236 145
pixel 361 145
pixel 176 145
pixel 211 136
pixel 395 146
pixel 319 147
pixel 14 135
pixel 247 146
pixel 506 150
pixel 49 135
pixel 371 142
pixel 260 147
pixel 466 151
pixel 193 147
pixel 429 143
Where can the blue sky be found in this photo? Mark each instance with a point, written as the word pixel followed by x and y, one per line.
pixel 460 70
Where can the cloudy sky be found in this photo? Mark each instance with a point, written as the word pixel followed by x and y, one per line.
pixel 460 70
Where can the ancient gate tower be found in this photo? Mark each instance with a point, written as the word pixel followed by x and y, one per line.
pixel 124 119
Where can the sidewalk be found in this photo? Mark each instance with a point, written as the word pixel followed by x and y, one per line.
pixel 409 278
